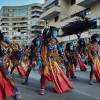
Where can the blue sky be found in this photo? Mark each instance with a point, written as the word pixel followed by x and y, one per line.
pixel 18 2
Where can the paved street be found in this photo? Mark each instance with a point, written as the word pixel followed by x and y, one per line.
pixel 82 90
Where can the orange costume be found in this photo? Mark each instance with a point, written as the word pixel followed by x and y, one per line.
pixel 93 56
pixel 71 60
pixel 6 88
pixel 50 52
pixel 7 85
pixel 93 51
pixel 81 52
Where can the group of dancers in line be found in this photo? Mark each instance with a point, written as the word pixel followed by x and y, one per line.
pixel 47 56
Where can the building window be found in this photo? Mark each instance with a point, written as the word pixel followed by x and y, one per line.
pixel 88 11
pixel 10 10
pixel 56 19
pixel 73 2
pixel 56 3
pixel 10 15
pixel 83 12
pixel 20 12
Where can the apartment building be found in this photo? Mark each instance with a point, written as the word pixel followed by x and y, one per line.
pixel 61 12
pixel 21 23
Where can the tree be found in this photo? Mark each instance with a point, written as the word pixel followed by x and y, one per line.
pixel 78 26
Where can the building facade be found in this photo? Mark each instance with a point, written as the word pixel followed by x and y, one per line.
pixel 21 23
pixel 60 12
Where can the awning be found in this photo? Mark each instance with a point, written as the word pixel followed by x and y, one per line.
pixel 50 4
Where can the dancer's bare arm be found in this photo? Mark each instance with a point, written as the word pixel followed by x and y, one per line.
pixel 5 45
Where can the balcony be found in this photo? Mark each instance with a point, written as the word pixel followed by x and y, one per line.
pixel 4 22
pixel 68 19
pixel 36 29
pixel 23 24
pixel 5 31
pixel 35 7
pixel 50 13
pixel 40 10
pixel 85 3
pixel 4 19
pixel 49 3
pixel 35 14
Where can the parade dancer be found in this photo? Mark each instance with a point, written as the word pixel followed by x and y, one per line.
pixel 71 60
pixel 34 59
pixel 7 84
pixel 16 58
pixel 23 65
pixel 50 52
pixel 81 53
pixel 94 55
